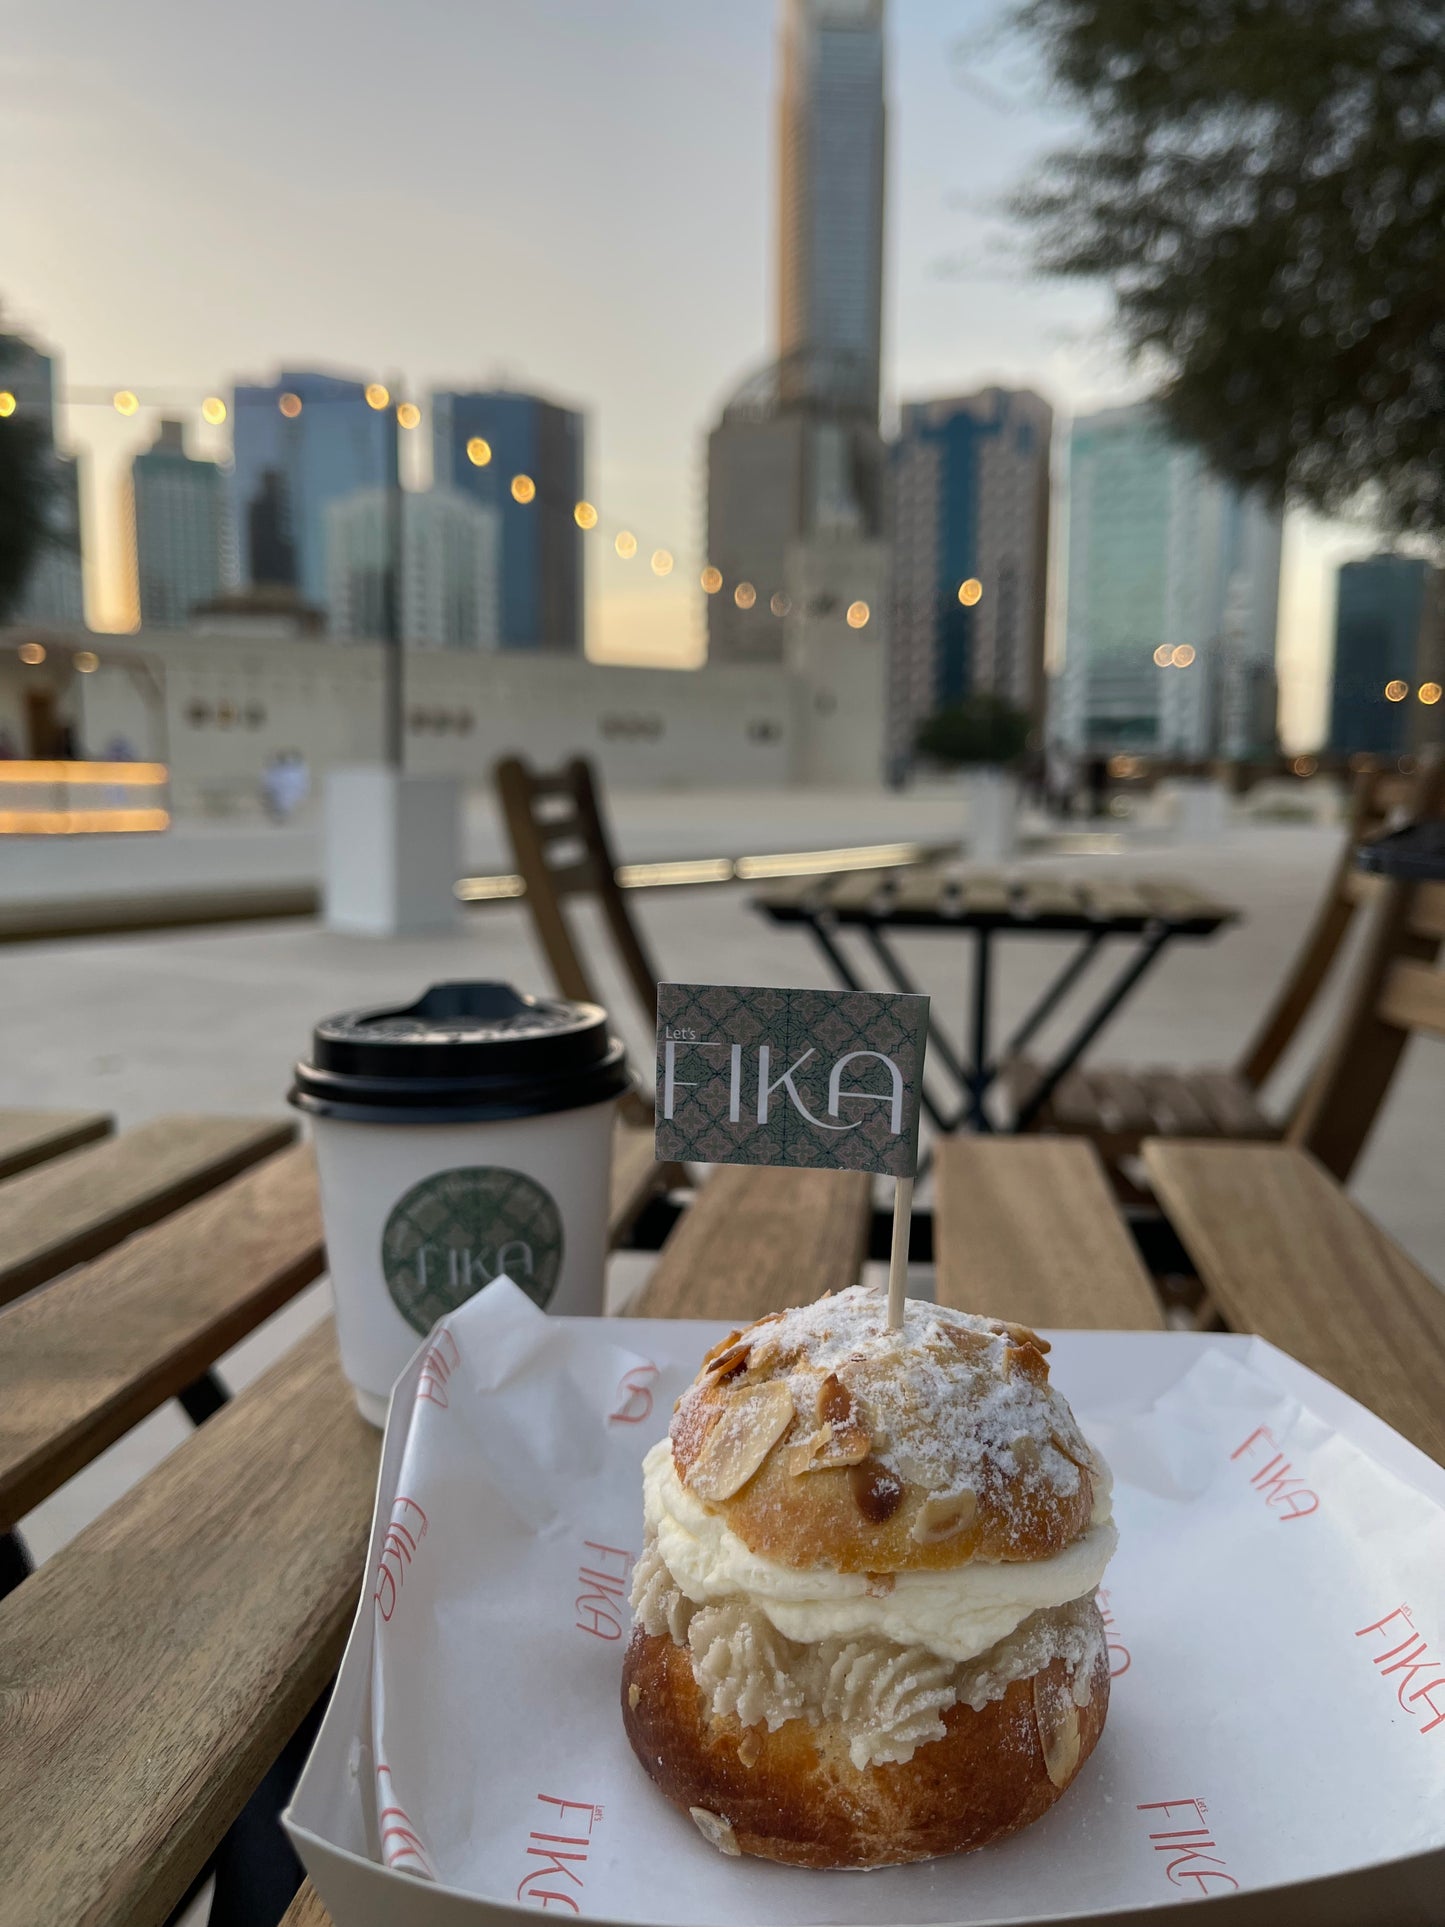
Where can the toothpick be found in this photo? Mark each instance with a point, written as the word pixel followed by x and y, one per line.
pixel 898 1257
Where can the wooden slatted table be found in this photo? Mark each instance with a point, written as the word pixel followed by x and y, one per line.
pixel 151 1670
pixel 1146 912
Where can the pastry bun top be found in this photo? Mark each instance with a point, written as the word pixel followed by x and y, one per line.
pixel 824 1440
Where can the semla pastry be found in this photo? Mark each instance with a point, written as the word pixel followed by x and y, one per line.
pixel 865 1621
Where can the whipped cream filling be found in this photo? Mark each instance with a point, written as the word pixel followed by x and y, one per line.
pixel 887 1699
pixel 956 1615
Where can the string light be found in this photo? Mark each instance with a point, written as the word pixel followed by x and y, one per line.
pixel 661 562
pixel 711 580
pixel 858 614
pixel 124 402
pixel 970 591
pixel 32 652
pixel 524 489
pixel 626 544
pixel 213 410
pixel 1164 655
pixel 7 402
pixel 585 516
pixel 1183 655
pixel 290 406
pixel 780 605
pixel 1396 692
pixel 1429 692
pixel 745 595
pixel 86 661
pixel 378 395
pixel 408 415
pixel 479 451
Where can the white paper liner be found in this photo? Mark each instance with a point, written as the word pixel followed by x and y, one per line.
pixel 1276 1612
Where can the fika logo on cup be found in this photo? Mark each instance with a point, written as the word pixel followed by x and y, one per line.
pixel 458 1230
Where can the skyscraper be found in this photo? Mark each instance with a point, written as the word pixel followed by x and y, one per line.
pixel 300 443
pixel 481 442
pixel 176 513
pixel 450 595
pixel 1173 592
pixel 970 499
pixel 831 157
pixel 54 589
pixel 1385 692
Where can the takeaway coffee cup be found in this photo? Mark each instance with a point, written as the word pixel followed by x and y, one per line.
pixel 457 1138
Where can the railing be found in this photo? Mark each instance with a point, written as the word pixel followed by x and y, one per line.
pixel 82 798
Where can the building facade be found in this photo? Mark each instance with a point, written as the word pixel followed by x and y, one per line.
pixel 451 587
pixel 300 443
pixel 1173 594
pixel 481 442
pixel 1389 667
pixel 53 591
pixel 175 511
pixel 832 124
pixel 969 501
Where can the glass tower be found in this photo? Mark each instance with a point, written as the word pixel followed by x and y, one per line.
pixel 290 466
pixel 481 441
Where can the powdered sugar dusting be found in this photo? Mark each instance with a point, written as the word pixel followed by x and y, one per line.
pixel 954 1402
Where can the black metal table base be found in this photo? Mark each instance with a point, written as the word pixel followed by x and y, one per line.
pixel 977 1074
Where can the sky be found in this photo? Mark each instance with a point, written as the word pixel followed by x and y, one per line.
pixel 571 195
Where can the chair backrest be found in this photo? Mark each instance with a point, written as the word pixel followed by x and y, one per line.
pixel 561 848
pixel 1399 989
pixel 1379 798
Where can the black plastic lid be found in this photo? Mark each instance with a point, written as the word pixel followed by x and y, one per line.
pixel 463 1053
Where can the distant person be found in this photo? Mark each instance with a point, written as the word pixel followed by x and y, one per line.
pixel 286 784
pixel 118 750
pixel 67 750
pixel 1059 780
pixel 8 751
pixel 1098 785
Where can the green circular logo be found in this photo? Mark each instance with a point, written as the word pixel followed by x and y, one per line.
pixel 458 1230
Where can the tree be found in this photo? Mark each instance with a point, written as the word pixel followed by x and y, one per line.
pixel 1262 185
pixel 981 729
pixel 25 485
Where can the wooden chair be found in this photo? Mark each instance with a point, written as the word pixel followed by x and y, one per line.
pixel 1117 1107
pixel 562 848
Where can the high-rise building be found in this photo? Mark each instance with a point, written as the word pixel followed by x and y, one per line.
pixel 450 594
pixel 1173 594
pixel 970 501
pixel 54 590
pixel 481 443
pixel 176 513
pixel 831 156
pixel 1385 693
pixel 300 443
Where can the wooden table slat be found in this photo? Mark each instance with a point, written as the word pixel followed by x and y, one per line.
pixel 1028 1229
pixel 1285 1252
pixel 151 1671
pixel 30 1137
pixel 306 1909
pixel 86 1359
pixel 77 1206
pixel 758 1238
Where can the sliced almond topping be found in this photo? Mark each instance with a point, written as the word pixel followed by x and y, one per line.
pixel 723 1345
pixel 1020 1334
pixel 749 1426
pixel 803 1456
pixel 731 1362
pixel 877 1492
pixel 634 1694
pixel 940 1519
pixel 1057 1719
pixel 749 1746
pixel 716 1831
pixel 835 1401
pixel 1025 1449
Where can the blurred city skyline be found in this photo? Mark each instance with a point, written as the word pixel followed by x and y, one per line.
pixel 579 201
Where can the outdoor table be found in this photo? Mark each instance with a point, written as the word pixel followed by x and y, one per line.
pixel 1151 914
pixel 155 1667
pixel 1415 854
